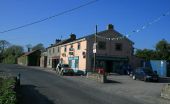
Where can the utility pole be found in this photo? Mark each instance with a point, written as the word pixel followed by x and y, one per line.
pixel 95 50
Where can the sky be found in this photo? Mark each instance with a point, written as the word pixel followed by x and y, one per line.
pixel 125 15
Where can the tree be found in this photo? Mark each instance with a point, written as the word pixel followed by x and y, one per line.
pixel 39 46
pixel 145 54
pixel 11 54
pixel 3 45
pixel 163 48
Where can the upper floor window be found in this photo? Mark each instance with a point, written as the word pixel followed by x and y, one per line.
pixel 53 50
pixel 65 48
pixel 78 46
pixel 58 49
pixel 118 47
pixel 101 45
pixel 49 51
pixel 71 46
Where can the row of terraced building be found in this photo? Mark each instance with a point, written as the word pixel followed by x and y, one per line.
pixel 112 52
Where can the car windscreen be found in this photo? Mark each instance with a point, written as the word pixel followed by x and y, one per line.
pixel 65 65
pixel 148 70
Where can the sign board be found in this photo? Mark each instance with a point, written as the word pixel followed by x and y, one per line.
pixel 94 46
pixel 94 50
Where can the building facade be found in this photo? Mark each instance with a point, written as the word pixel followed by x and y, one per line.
pixel 112 51
pixel 30 58
pixel 53 52
pixel 43 59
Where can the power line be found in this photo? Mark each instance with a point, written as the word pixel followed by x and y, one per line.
pixel 48 18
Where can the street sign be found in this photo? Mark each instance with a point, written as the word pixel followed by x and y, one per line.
pixel 94 50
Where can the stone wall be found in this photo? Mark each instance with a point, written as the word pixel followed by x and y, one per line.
pixel 98 77
pixel 165 93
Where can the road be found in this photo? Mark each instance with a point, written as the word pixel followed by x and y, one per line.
pixel 43 87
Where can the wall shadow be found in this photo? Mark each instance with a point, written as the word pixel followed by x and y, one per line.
pixel 164 80
pixel 28 94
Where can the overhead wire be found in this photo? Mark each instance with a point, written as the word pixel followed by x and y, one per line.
pixel 50 17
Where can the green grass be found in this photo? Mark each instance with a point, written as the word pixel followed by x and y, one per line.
pixel 7 90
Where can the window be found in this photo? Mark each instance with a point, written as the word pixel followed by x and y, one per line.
pixel 58 49
pixel 78 46
pixel 50 51
pixel 118 46
pixel 49 62
pixel 101 45
pixel 53 50
pixel 65 48
pixel 71 46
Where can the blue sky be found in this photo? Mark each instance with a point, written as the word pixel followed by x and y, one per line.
pixel 125 15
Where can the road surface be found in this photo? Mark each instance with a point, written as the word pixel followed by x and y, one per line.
pixel 43 87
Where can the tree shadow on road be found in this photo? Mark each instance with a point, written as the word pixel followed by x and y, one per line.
pixel 29 95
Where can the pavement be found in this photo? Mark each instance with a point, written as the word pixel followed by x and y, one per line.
pixel 44 86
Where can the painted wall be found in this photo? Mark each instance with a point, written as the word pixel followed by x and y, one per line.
pixel 127 46
pixel 52 52
pixel 77 53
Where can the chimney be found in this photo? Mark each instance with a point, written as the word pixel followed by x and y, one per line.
pixel 110 27
pixel 72 36
pixel 29 49
pixel 57 40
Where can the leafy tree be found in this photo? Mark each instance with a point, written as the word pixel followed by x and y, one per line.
pixel 162 52
pixel 145 54
pixel 39 46
pixel 163 48
pixel 11 54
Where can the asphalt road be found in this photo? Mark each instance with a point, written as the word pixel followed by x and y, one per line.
pixel 42 87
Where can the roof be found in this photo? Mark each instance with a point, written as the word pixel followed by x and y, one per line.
pixel 105 32
pixel 89 36
pixel 28 53
pixel 61 42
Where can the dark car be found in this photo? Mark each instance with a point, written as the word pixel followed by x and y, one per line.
pixel 145 74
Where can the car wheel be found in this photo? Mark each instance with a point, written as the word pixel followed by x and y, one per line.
pixel 134 77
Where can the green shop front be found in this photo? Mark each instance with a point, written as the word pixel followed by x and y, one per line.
pixel 74 62
pixel 111 64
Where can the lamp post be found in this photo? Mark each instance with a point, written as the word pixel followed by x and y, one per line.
pixel 95 50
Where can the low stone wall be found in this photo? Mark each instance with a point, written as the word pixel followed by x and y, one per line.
pixel 98 77
pixel 165 93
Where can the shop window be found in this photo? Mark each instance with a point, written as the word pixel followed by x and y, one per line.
pixel 76 63
pixel 101 45
pixel 49 62
pixel 118 47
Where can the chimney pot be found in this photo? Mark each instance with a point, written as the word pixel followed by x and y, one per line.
pixel 72 36
pixel 57 40
pixel 110 27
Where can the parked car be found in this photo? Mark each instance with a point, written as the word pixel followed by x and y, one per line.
pixel 64 69
pixel 145 74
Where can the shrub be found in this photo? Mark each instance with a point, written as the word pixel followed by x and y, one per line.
pixel 7 91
